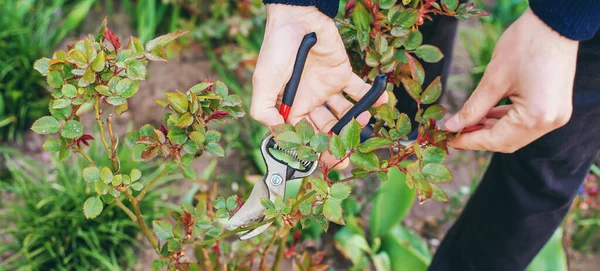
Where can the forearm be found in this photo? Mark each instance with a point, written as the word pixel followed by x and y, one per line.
pixel 328 7
pixel 574 19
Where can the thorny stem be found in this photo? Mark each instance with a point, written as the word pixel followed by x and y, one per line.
pixel 113 141
pixel 119 203
pixel 140 221
pixel 101 124
pixel 261 266
pixel 279 255
pixel 150 184
pixel 344 24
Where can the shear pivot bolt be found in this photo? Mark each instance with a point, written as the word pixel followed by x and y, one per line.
pixel 276 179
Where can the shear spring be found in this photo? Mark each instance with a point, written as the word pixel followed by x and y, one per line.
pixel 293 154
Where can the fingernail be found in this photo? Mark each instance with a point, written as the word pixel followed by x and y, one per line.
pixel 452 124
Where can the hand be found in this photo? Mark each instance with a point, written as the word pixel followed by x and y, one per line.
pixel 535 67
pixel 326 74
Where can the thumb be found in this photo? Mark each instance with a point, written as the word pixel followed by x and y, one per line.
pixel 487 94
pixel 273 69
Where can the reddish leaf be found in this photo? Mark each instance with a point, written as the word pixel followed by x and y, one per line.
pixel 112 38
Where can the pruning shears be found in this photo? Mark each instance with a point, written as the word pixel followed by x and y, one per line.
pixel 272 185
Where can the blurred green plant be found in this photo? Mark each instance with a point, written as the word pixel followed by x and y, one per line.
pixel 480 41
pixel 41 213
pixel 28 30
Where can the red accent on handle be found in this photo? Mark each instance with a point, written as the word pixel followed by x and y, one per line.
pixel 330 133
pixel 284 110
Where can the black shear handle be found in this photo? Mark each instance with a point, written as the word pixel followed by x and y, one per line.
pixel 363 104
pixel 289 92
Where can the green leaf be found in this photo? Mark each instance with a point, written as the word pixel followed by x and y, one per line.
pixel 41 65
pixel 350 135
pixel 163 229
pixel 412 87
pixel 91 174
pixel 305 207
pixel 174 245
pixel 215 149
pixel 336 148
pixel 429 53
pixel 432 92
pixel 332 209
pixel 221 89
pixel 305 130
pixel 360 173
pixel 339 191
pixel 406 250
pixel 88 77
pixel 197 137
pixel 393 192
pixel 319 185
pixel 366 161
pixel 403 125
pixel 164 39
pixel 46 125
pixel 92 207
pixel 72 129
pixel 135 174
pixel 185 120
pixel 284 127
pixel 319 142
pixel 267 203
pixel 435 112
pixel 307 154
pixel 137 186
pixel 177 137
pixel 117 180
pixel 219 203
pixel 126 88
pixel 61 103
pixel 372 59
pixel 98 63
pixel 64 154
pixel 386 4
pixel 407 18
pixel 322 222
pixel 102 90
pixel 188 173
pixel 400 32
pixel 52 145
pixel 198 88
pixel 437 173
pixel 288 140
pixel 69 91
pixel 361 18
pixel 451 4
pixel 374 143
pixel 415 38
pixel 136 70
pixel 55 79
pixel 433 154
pixel 438 194
pixel 115 100
pixel 101 188
pixel 381 44
pixel 106 175
pixel 552 256
pixel 178 101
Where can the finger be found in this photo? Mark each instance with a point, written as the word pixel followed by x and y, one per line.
pixel 273 69
pixel 487 94
pixel 505 135
pixel 357 88
pixel 322 118
pixel 330 160
pixel 339 107
pixel 498 111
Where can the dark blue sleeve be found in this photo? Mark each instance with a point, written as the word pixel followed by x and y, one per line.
pixel 574 19
pixel 329 7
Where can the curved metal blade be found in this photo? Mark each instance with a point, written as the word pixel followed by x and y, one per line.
pixel 252 210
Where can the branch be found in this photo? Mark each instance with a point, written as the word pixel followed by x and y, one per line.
pixel 140 221
pixel 101 124
pixel 113 141
pixel 150 184
pixel 125 209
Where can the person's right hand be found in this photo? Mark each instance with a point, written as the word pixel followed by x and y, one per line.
pixel 326 74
